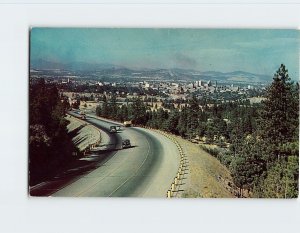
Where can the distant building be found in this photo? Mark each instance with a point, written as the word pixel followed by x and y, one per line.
pixel 235 89
pixel 175 85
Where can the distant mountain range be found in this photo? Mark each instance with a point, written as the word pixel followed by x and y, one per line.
pixel 113 71
pixel 41 64
pixel 238 76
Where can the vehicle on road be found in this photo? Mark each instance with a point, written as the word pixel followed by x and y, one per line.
pixel 82 115
pixel 126 143
pixel 113 129
pixel 127 123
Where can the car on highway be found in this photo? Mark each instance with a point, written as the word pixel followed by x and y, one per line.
pixel 126 143
pixel 127 123
pixel 113 129
pixel 82 115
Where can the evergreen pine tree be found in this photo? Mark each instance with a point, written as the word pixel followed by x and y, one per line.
pixel 279 115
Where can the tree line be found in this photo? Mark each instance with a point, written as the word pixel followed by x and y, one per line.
pixel 263 154
pixel 50 148
pixel 267 163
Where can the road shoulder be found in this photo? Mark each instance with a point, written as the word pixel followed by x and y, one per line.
pixel 207 177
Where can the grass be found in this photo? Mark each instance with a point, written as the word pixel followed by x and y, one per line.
pixel 208 178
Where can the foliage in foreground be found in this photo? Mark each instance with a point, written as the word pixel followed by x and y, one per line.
pixel 50 147
pixel 268 164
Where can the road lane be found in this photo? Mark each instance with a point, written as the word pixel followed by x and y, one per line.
pixel 145 170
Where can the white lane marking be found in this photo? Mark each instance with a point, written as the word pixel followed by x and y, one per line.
pixel 110 175
pixel 93 185
pixel 134 172
pixel 82 176
pixel 32 188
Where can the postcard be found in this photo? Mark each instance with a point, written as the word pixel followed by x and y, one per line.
pixel 164 112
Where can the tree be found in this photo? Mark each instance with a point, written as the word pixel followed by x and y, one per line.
pixel 280 110
pixel 122 113
pixel 193 114
pixel 221 127
pixel 76 104
pixel 210 133
pixel 98 110
pixel 282 180
pixel 248 165
pixel 50 148
pixel 66 104
pixel 105 111
pixel 247 125
pixel 270 166
pixel 138 110
pixel 113 107
pixel 182 122
pixel 172 122
pixel 202 129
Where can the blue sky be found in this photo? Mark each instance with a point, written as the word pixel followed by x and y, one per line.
pixel 225 50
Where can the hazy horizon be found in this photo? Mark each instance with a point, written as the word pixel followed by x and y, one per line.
pixel 258 51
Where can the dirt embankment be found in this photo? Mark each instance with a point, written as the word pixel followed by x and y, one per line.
pixel 82 133
pixel 207 178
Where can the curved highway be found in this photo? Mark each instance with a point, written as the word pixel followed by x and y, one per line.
pixel 147 169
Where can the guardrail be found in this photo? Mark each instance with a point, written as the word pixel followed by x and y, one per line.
pixel 182 169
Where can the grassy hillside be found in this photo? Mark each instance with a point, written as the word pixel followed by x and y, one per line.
pixel 207 176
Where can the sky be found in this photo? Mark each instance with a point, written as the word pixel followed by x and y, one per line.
pixel 257 51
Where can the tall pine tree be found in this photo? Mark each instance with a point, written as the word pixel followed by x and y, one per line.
pixel 279 115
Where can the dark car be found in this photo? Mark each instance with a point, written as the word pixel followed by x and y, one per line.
pixel 126 143
pixel 113 129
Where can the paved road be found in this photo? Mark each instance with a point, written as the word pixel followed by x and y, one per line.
pixel 147 169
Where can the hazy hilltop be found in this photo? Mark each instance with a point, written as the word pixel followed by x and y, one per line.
pixel 42 64
pixel 114 71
